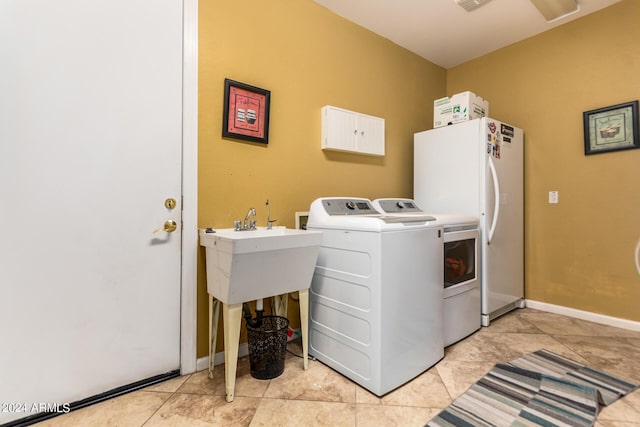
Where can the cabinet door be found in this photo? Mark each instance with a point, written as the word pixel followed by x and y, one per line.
pixel 370 135
pixel 340 128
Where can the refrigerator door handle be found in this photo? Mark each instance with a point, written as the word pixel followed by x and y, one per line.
pixel 637 260
pixel 496 208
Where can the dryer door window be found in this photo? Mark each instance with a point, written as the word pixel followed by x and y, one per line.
pixel 459 261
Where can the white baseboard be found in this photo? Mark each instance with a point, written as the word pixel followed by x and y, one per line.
pixel 585 315
pixel 203 362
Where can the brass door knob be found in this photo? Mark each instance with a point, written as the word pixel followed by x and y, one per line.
pixel 169 226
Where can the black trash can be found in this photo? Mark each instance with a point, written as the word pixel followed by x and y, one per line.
pixel 267 347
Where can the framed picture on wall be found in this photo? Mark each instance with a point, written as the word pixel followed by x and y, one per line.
pixel 611 128
pixel 245 112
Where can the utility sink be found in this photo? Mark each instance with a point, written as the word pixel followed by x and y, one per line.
pixel 252 264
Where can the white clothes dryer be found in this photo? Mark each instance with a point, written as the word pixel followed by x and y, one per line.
pixel 461 262
pixel 376 293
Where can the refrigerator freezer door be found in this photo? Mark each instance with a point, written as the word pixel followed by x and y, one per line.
pixel 447 173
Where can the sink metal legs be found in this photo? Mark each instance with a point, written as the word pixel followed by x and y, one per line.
pixel 214 315
pixel 304 325
pixel 281 304
pixel 232 317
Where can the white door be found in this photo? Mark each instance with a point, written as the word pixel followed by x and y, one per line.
pixel 90 149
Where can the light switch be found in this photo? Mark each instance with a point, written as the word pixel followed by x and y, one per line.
pixel 553 197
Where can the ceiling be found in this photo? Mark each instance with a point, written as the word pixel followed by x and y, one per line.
pixel 445 33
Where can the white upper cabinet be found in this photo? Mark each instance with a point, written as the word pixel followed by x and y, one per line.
pixel 345 130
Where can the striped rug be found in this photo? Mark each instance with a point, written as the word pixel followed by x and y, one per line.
pixel 537 389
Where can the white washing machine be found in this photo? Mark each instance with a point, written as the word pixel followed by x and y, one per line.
pixel 461 262
pixel 376 293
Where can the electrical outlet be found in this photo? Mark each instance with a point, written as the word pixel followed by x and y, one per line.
pixel 553 197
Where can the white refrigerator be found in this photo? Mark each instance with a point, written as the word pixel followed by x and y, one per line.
pixel 476 168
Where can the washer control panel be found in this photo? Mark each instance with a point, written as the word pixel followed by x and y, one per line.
pixel 349 207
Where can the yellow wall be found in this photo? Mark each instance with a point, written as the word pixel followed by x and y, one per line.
pixel 579 253
pixel 307 57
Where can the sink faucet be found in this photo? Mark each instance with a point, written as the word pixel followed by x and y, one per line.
pixel 249 225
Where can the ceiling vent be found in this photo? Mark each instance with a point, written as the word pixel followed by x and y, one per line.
pixel 551 9
pixel 471 5
pixel 556 9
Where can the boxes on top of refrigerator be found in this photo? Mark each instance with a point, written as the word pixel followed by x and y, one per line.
pixel 459 108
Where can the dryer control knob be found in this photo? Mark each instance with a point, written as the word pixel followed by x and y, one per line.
pixel 351 205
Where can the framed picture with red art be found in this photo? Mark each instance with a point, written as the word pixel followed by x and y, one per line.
pixel 245 112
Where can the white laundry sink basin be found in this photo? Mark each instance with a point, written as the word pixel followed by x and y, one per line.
pixel 248 265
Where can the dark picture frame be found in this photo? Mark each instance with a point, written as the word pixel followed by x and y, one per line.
pixel 245 112
pixel 611 128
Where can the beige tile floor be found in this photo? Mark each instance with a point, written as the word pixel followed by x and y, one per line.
pixel 322 397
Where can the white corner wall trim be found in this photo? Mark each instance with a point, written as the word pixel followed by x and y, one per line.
pixel 585 315
pixel 188 312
